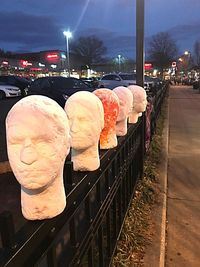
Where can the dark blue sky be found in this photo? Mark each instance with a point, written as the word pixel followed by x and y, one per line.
pixel 34 25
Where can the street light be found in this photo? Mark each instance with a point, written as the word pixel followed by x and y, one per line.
pixel 67 35
pixel 119 61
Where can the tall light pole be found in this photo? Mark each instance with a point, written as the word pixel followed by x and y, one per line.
pixel 67 35
pixel 140 66
pixel 119 61
pixel 140 42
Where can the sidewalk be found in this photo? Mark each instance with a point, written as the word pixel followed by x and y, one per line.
pixel 183 212
pixel 176 240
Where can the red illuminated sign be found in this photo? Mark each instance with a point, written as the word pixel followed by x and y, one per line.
pixel 147 66
pixel 35 69
pixel 53 57
pixel 25 63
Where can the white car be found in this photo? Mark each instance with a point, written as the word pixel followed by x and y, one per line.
pixel 9 91
pixel 113 80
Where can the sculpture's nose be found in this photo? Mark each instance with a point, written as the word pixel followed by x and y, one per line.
pixel 28 154
pixel 74 126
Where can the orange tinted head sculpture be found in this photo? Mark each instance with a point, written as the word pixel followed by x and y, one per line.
pixel 110 103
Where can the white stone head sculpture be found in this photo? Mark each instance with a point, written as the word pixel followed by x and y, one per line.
pixel 86 117
pixel 37 132
pixel 125 106
pixel 110 101
pixel 139 102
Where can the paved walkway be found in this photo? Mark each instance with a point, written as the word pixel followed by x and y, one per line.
pixel 183 198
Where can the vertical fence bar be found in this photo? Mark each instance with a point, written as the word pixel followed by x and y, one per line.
pixel 73 232
pixel 114 220
pixel 108 231
pixel 51 257
pixel 100 246
pixel 67 174
pixel 88 209
pixel 91 257
pixel 7 229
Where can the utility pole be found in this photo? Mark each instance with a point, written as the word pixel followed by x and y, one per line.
pixel 140 70
pixel 140 42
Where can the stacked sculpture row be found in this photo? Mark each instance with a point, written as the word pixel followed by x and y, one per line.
pixel 40 134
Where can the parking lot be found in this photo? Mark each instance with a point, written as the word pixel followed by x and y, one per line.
pixel 5 106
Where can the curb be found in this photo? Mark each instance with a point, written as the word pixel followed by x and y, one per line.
pixel 163 169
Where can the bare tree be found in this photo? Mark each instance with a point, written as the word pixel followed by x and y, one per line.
pixel 90 47
pixel 162 50
pixel 196 55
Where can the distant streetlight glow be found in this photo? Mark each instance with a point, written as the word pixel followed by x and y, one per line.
pixel 67 35
pixel 119 61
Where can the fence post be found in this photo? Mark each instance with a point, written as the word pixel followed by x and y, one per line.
pixel 7 229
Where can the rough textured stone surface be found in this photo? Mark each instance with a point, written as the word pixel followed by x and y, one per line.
pixel 139 102
pixel 37 132
pixel 125 106
pixel 86 117
pixel 110 101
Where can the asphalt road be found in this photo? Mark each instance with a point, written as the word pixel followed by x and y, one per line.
pixel 183 213
pixel 5 106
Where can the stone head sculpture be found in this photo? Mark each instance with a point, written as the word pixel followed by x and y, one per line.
pixel 37 132
pixel 139 102
pixel 110 101
pixel 86 117
pixel 125 106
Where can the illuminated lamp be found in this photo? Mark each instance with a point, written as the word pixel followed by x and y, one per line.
pixel 173 64
pixel 4 62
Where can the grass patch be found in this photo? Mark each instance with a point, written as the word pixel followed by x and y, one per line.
pixel 136 233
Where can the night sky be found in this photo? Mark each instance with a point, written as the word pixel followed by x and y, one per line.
pixel 36 25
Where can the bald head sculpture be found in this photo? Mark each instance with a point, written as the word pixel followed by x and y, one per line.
pixel 86 117
pixel 125 106
pixel 139 102
pixel 37 132
pixel 110 101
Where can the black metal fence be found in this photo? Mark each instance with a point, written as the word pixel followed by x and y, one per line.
pixel 86 233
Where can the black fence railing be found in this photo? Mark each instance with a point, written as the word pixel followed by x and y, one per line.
pixel 86 233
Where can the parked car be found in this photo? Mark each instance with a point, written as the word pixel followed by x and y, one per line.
pixel 154 84
pixel 16 81
pixel 196 84
pixel 9 91
pixel 58 88
pixel 121 79
pixel 91 81
pixel 113 80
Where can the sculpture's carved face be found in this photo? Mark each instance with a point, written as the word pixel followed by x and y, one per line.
pixel 110 103
pixel 37 146
pixel 139 98
pixel 125 102
pixel 86 118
